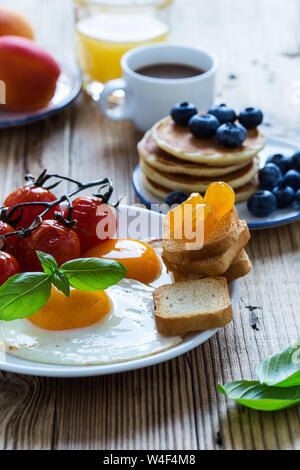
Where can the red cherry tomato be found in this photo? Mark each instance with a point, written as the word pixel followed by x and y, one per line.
pixel 96 221
pixel 52 238
pixel 12 242
pixel 9 267
pixel 30 193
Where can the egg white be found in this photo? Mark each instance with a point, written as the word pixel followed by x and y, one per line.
pixel 128 332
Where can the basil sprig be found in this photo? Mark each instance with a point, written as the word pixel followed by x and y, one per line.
pixel 261 397
pixel 278 386
pixel 85 274
pixel 282 369
pixel 25 294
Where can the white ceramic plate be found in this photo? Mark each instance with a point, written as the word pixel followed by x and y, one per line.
pixel 68 88
pixel 147 220
pixel 279 217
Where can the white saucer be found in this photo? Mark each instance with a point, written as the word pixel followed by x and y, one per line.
pixel 68 87
pixel 146 220
pixel 279 217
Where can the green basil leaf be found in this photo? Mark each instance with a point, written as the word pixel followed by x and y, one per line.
pixel 92 274
pixel 23 295
pixel 282 369
pixel 261 397
pixel 60 281
pixel 48 263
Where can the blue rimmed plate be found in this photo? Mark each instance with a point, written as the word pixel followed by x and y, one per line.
pixel 279 217
pixel 68 88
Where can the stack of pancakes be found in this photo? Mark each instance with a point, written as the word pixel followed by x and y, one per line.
pixel 171 159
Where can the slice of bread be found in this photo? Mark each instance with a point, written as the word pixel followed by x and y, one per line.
pixel 240 267
pixel 224 235
pixel 184 307
pixel 216 265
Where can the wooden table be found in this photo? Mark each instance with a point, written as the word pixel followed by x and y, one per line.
pixel 174 405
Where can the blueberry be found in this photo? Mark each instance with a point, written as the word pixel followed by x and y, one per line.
pixel 297 199
pixel 262 203
pixel 270 176
pixel 231 134
pixel 290 163
pixel 284 163
pixel 223 113
pixel 203 126
pixel 296 161
pixel 176 197
pixel 284 195
pixel 292 178
pixel 182 113
pixel 251 117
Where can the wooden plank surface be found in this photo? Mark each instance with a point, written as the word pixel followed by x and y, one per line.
pixel 173 405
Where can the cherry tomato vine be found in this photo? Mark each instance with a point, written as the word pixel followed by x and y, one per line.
pixel 105 190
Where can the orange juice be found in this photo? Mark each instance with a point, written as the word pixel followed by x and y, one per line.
pixel 103 39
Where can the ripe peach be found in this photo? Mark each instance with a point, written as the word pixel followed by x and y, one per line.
pixel 14 24
pixel 29 73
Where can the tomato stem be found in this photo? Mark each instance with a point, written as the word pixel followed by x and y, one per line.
pixel 7 215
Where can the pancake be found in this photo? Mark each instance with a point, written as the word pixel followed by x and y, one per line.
pixel 241 194
pixel 154 156
pixel 180 142
pixel 196 184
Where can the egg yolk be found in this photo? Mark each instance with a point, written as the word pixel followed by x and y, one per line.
pixel 140 259
pixel 79 310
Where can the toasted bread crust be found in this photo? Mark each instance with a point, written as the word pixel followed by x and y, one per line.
pixel 184 325
pixel 214 266
pixel 225 234
pixel 240 267
pixel 181 324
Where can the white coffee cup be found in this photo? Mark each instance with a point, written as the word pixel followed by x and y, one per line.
pixel 149 99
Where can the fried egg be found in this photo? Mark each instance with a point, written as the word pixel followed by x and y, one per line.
pixel 113 326
pixel 141 260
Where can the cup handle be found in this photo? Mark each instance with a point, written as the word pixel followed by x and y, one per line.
pixel 120 112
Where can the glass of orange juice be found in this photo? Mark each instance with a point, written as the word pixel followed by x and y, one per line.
pixel 106 29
